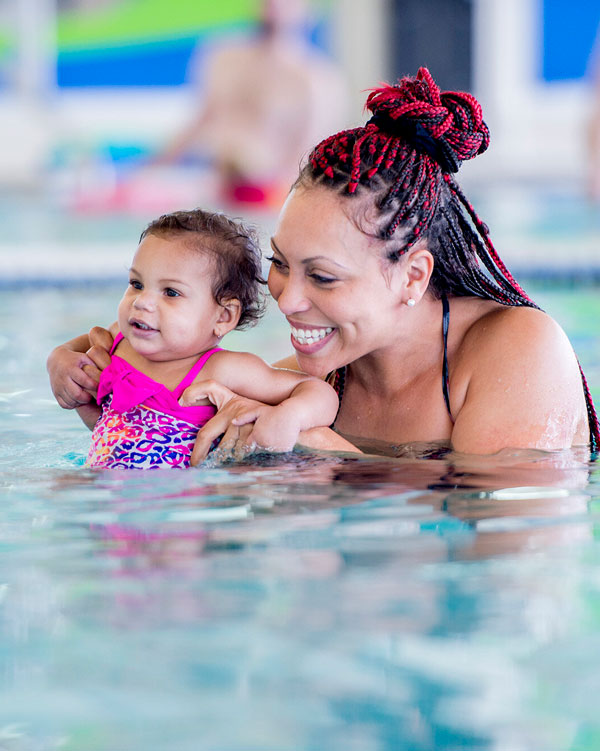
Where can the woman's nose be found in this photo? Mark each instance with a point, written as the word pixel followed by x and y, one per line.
pixel 290 295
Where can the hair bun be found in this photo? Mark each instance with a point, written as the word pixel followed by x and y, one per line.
pixel 447 125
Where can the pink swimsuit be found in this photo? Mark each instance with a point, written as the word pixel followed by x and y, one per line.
pixel 142 425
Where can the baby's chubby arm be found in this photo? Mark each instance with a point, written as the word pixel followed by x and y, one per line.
pixel 280 403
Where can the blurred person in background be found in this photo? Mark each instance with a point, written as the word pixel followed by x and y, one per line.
pixel 593 134
pixel 266 101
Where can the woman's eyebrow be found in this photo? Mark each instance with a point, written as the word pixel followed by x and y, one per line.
pixel 274 246
pixel 311 259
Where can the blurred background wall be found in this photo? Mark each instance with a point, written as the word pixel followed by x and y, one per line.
pixel 87 84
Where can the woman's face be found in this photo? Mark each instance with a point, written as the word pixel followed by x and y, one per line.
pixel 330 283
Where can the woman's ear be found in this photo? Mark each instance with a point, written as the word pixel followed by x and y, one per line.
pixel 418 267
pixel 228 318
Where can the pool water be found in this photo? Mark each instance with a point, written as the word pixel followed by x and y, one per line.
pixel 295 602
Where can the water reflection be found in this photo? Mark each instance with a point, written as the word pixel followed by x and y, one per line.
pixel 300 602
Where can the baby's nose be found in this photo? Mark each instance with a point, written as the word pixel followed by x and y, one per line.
pixel 144 300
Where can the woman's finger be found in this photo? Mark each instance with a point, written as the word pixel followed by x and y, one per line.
pixel 101 338
pixel 99 357
pixel 80 378
pixel 92 372
pixel 244 445
pixel 247 416
pixel 73 396
pixel 218 394
pixel 76 398
pixel 215 427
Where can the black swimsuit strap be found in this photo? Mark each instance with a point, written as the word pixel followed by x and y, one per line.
pixel 445 374
pixel 337 378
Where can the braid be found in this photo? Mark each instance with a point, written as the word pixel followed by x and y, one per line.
pixel 404 158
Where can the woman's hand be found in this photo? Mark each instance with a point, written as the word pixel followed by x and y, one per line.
pixel 101 342
pixel 246 424
pixel 74 372
pixel 231 407
pixel 71 385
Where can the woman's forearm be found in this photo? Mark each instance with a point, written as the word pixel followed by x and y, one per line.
pixel 325 439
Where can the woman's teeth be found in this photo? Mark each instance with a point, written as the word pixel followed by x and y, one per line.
pixel 310 336
pixel 142 326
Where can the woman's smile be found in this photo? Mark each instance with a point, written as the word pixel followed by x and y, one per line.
pixel 304 335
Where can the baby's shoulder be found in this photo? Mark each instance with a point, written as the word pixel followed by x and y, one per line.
pixel 225 362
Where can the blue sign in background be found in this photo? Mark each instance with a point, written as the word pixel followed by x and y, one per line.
pixel 569 30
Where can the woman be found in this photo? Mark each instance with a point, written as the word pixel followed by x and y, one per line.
pixel 377 266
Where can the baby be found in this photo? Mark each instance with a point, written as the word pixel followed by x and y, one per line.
pixel 195 276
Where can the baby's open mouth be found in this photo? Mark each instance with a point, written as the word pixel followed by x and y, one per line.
pixel 141 326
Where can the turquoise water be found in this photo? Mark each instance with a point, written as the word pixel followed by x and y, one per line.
pixel 292 602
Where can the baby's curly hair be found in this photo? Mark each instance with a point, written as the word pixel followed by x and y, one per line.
pixel 234 248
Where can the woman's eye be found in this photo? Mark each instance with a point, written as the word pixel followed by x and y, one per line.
pixel 322 279
pixel 276 262
pixel 170 292
pixel 135 284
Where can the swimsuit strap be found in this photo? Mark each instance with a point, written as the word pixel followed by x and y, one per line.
pixel 445 373
pixel 337 378
pixel 193 371
pixel 117 340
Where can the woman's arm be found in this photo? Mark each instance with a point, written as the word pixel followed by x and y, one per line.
pixel 279 405
pixel 524 388
pixel 89 414
pixel 283 402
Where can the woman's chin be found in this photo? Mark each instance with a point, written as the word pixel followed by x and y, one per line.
pixel 319 367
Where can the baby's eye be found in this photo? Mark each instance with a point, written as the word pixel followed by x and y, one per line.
pixel 136 284
pixel 170 292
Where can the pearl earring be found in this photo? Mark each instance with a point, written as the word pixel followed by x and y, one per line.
pixel 411 303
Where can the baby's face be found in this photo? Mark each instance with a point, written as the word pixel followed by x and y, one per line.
pixel 168 311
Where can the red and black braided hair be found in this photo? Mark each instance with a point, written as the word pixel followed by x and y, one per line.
pixel 402 163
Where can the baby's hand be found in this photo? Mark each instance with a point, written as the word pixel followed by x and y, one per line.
pixel 200 391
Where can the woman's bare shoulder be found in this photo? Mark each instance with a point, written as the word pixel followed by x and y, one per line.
pixel 517 384
pixel 513 329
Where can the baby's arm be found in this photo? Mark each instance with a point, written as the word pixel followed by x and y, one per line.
pixel 287 401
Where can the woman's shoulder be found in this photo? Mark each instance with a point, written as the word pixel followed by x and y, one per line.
pixel 497 326
pixel 512 342
pixel 516 382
